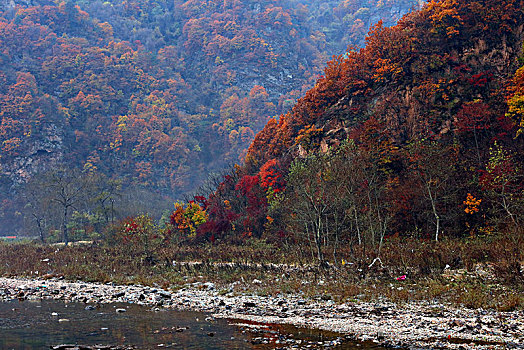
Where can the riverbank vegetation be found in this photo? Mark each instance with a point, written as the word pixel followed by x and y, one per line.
pixel 478 272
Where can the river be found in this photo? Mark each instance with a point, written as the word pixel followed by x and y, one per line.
pixel 43 324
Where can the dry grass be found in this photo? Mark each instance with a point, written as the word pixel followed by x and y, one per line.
pixel 482 272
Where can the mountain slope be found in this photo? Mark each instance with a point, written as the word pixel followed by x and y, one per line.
pixel 158 93
pixel 409 135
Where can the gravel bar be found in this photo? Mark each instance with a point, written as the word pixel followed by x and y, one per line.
pixel 413 325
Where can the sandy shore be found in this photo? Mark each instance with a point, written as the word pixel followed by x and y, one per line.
pixel 411 325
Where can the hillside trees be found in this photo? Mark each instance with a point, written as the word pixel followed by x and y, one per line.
pixel 37 207
pixel 339 198
pixel 423 107
pixel 412 135
pixel 432 167
pixel 312 204
pixel 186 219
pixel 516 100
pixel 503 183
pixel 174 86
pixel 73 204
pixel 66 190
pixel 25 115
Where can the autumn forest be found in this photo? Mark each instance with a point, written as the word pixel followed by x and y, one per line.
pixel 153 97
pixel 333 129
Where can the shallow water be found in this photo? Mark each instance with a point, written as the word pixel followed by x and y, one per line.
pixel 34 325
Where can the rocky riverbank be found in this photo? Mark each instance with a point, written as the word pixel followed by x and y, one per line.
pixel 411 325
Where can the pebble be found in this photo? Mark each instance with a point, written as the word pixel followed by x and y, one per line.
pixel 209 286
pixel 424 324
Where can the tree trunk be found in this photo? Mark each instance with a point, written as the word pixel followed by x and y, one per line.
pixel 434 209
pixel 506 206
pixel 318 241
pixel 40 230
pixel 438 226
pixel 358 227
pixel 64 227
pixel 335 247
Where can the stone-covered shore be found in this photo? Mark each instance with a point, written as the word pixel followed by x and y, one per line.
pixel 414 325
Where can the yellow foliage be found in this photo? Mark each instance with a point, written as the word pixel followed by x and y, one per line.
pixel 188 218
pixel 472 204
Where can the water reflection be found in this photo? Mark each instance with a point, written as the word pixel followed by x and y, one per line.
pixel 40 325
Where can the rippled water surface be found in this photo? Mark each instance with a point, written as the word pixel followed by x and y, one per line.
pixel 39 325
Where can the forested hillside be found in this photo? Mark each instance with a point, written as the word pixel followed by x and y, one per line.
pixel 159 93
pixel 416 134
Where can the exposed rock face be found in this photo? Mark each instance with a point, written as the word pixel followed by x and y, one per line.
pixel 37 154
pixel 6 5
